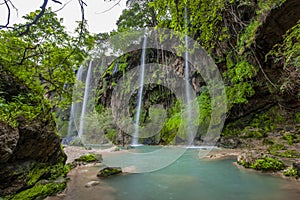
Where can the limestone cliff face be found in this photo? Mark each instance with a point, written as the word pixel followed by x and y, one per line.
pixel 28 148
pixel 273 25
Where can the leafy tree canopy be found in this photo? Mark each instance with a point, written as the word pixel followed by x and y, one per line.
pixel 45 58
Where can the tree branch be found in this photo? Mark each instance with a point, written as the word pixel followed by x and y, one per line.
pixel 82 4
pixel 8 14
pixel 43 9
pixel 63 6
pixel 116 4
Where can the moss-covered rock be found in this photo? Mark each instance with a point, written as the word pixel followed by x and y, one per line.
pixel 109 171
pixel 291 172
pixel 87 158
pixel 259 161
pixel 296 166
pixel 40 190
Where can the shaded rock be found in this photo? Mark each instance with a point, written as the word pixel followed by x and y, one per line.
pixel 229 142
pixel 8 141
pixel 31 151
pixel 276 24
pixel 36 150
pixel 109 171
pixel 38 141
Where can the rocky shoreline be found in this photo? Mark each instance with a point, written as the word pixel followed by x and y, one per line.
pixel 259 161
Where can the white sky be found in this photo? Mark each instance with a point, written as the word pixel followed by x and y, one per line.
pixel 98 22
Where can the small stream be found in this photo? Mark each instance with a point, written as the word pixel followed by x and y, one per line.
pixel 189 178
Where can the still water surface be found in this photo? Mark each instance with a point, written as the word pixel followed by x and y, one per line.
pixel 189 178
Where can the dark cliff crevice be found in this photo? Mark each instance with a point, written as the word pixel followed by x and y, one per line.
pixel 275 25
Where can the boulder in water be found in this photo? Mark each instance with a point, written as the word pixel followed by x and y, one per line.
pixel 91 157
pixel 109 171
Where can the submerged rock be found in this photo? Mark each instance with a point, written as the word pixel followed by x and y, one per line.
pixel 92 183
pixel 109 171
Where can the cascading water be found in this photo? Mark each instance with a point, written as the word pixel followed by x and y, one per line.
pixel 187 87
pixel 85 99
pixel 140 95
pixel 115 68
pixel 75 109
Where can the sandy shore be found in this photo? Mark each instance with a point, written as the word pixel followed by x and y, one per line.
pixel 74 152
pixel 221 153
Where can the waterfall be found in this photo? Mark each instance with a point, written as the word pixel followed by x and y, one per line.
pixel 140 95
pixel 85 99
pixel 74 109
pixel 187 91
pixel 115 68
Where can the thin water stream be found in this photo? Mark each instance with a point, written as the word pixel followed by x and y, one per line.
pixel 140 95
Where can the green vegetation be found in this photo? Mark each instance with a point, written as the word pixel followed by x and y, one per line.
pixel 250 133
pixel 286 154
pixel 276 147
pixel 258 127
pixel 291 138
pixel 100 127
pixel 53 172
pixel 287 53
pixel 35 175
pixel 268 164
pixel 264 163
pixel 19 105
pixel 43 63
pixel 291 172
pixel 44 60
